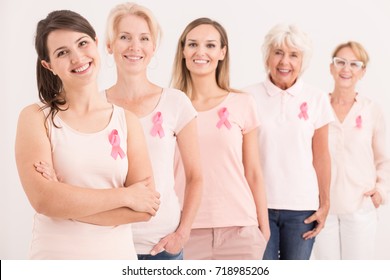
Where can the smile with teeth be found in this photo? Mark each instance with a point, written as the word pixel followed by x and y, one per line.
pixel 133 57
pixel 201 61
pixel 82 68
pixel 284 70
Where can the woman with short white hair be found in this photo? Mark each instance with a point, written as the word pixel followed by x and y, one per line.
pixel 293 137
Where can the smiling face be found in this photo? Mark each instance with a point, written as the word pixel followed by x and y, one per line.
pixel 202 50
pixel 73 57
pixel 346 77
pixel 284 64
pixel 132 46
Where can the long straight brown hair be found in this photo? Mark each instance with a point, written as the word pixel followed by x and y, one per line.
pixel 181 77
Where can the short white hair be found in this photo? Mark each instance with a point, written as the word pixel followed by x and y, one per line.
pixel 290 35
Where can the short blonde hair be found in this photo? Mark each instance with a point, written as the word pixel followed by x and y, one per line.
pixel 356 48
pixel 130 8
pixel 290 35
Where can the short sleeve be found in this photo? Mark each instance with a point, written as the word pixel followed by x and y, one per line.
pixel 324 111
pixel 251 120
pixel 185 111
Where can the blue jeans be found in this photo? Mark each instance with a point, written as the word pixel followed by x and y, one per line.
pixel 286 242
pixel 164 255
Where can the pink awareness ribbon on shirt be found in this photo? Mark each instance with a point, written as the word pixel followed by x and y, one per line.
pixel 223 118
pixel 115 141
pixel 303 113
pixel 157 125
pixel 359 121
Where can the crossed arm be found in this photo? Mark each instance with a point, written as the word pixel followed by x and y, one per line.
pixel 56 199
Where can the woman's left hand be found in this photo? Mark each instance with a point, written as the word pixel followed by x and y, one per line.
pixel 46 170
pixel 375 197
pixel 173 243
pixel 319 217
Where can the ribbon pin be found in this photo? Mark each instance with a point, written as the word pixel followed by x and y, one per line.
pixel 115 142
pixel 303 113
pixel 359 121
pixel 223 118
pixel 157 125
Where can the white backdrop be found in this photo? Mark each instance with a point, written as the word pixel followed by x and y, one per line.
pixel 247 21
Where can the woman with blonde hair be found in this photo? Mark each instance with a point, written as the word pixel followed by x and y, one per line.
pixel 232 220
pixel 360 166
pixel 168 119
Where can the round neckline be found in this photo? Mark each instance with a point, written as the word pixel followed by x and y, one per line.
pixel 162 95
pixel 218 105
pixel 63 123
pixel 158 105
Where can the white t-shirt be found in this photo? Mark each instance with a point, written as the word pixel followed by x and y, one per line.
pixel 173 112
pixel 288 119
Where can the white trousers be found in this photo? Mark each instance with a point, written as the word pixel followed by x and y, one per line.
pixel 348 236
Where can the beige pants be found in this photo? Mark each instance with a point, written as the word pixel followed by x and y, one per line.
pixel 227 243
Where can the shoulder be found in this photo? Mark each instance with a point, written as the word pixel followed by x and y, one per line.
pixel 241 97
pixel 313 90
pixel 367 103
pixel 174 94
pixel 32 111
pixel 253 88
pixel 175 99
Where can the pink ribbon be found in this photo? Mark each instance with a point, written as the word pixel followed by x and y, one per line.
pixel 223 118
pixel 157 125
pixel 115 141
pixel 303 113
pixel 359 121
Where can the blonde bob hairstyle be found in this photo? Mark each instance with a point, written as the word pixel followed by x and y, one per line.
pixel 290 35
pixel 356 48
pixel 130 8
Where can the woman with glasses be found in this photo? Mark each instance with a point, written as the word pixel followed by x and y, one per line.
pixel 360 167
pixel 293 141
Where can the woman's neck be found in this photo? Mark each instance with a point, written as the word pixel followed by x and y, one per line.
pixel 131 86
pixel 343 97
pixel 205 88
pixel 82 98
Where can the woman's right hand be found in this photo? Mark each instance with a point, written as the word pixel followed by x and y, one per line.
pixel 142 198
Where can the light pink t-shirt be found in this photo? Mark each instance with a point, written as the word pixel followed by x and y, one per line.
pixel 288 120
pixel 226 199
pixel 85 160
pixel 174 111
pixel 359 159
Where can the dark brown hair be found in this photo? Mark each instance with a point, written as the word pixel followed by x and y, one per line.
pixel 49 85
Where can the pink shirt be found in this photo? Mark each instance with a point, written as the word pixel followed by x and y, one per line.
pixel 173 112
pixel 85 159
pixel 358 153
pixel 288 120
pixel 227 199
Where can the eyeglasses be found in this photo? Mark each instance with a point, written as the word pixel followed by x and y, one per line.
pixel 355 65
